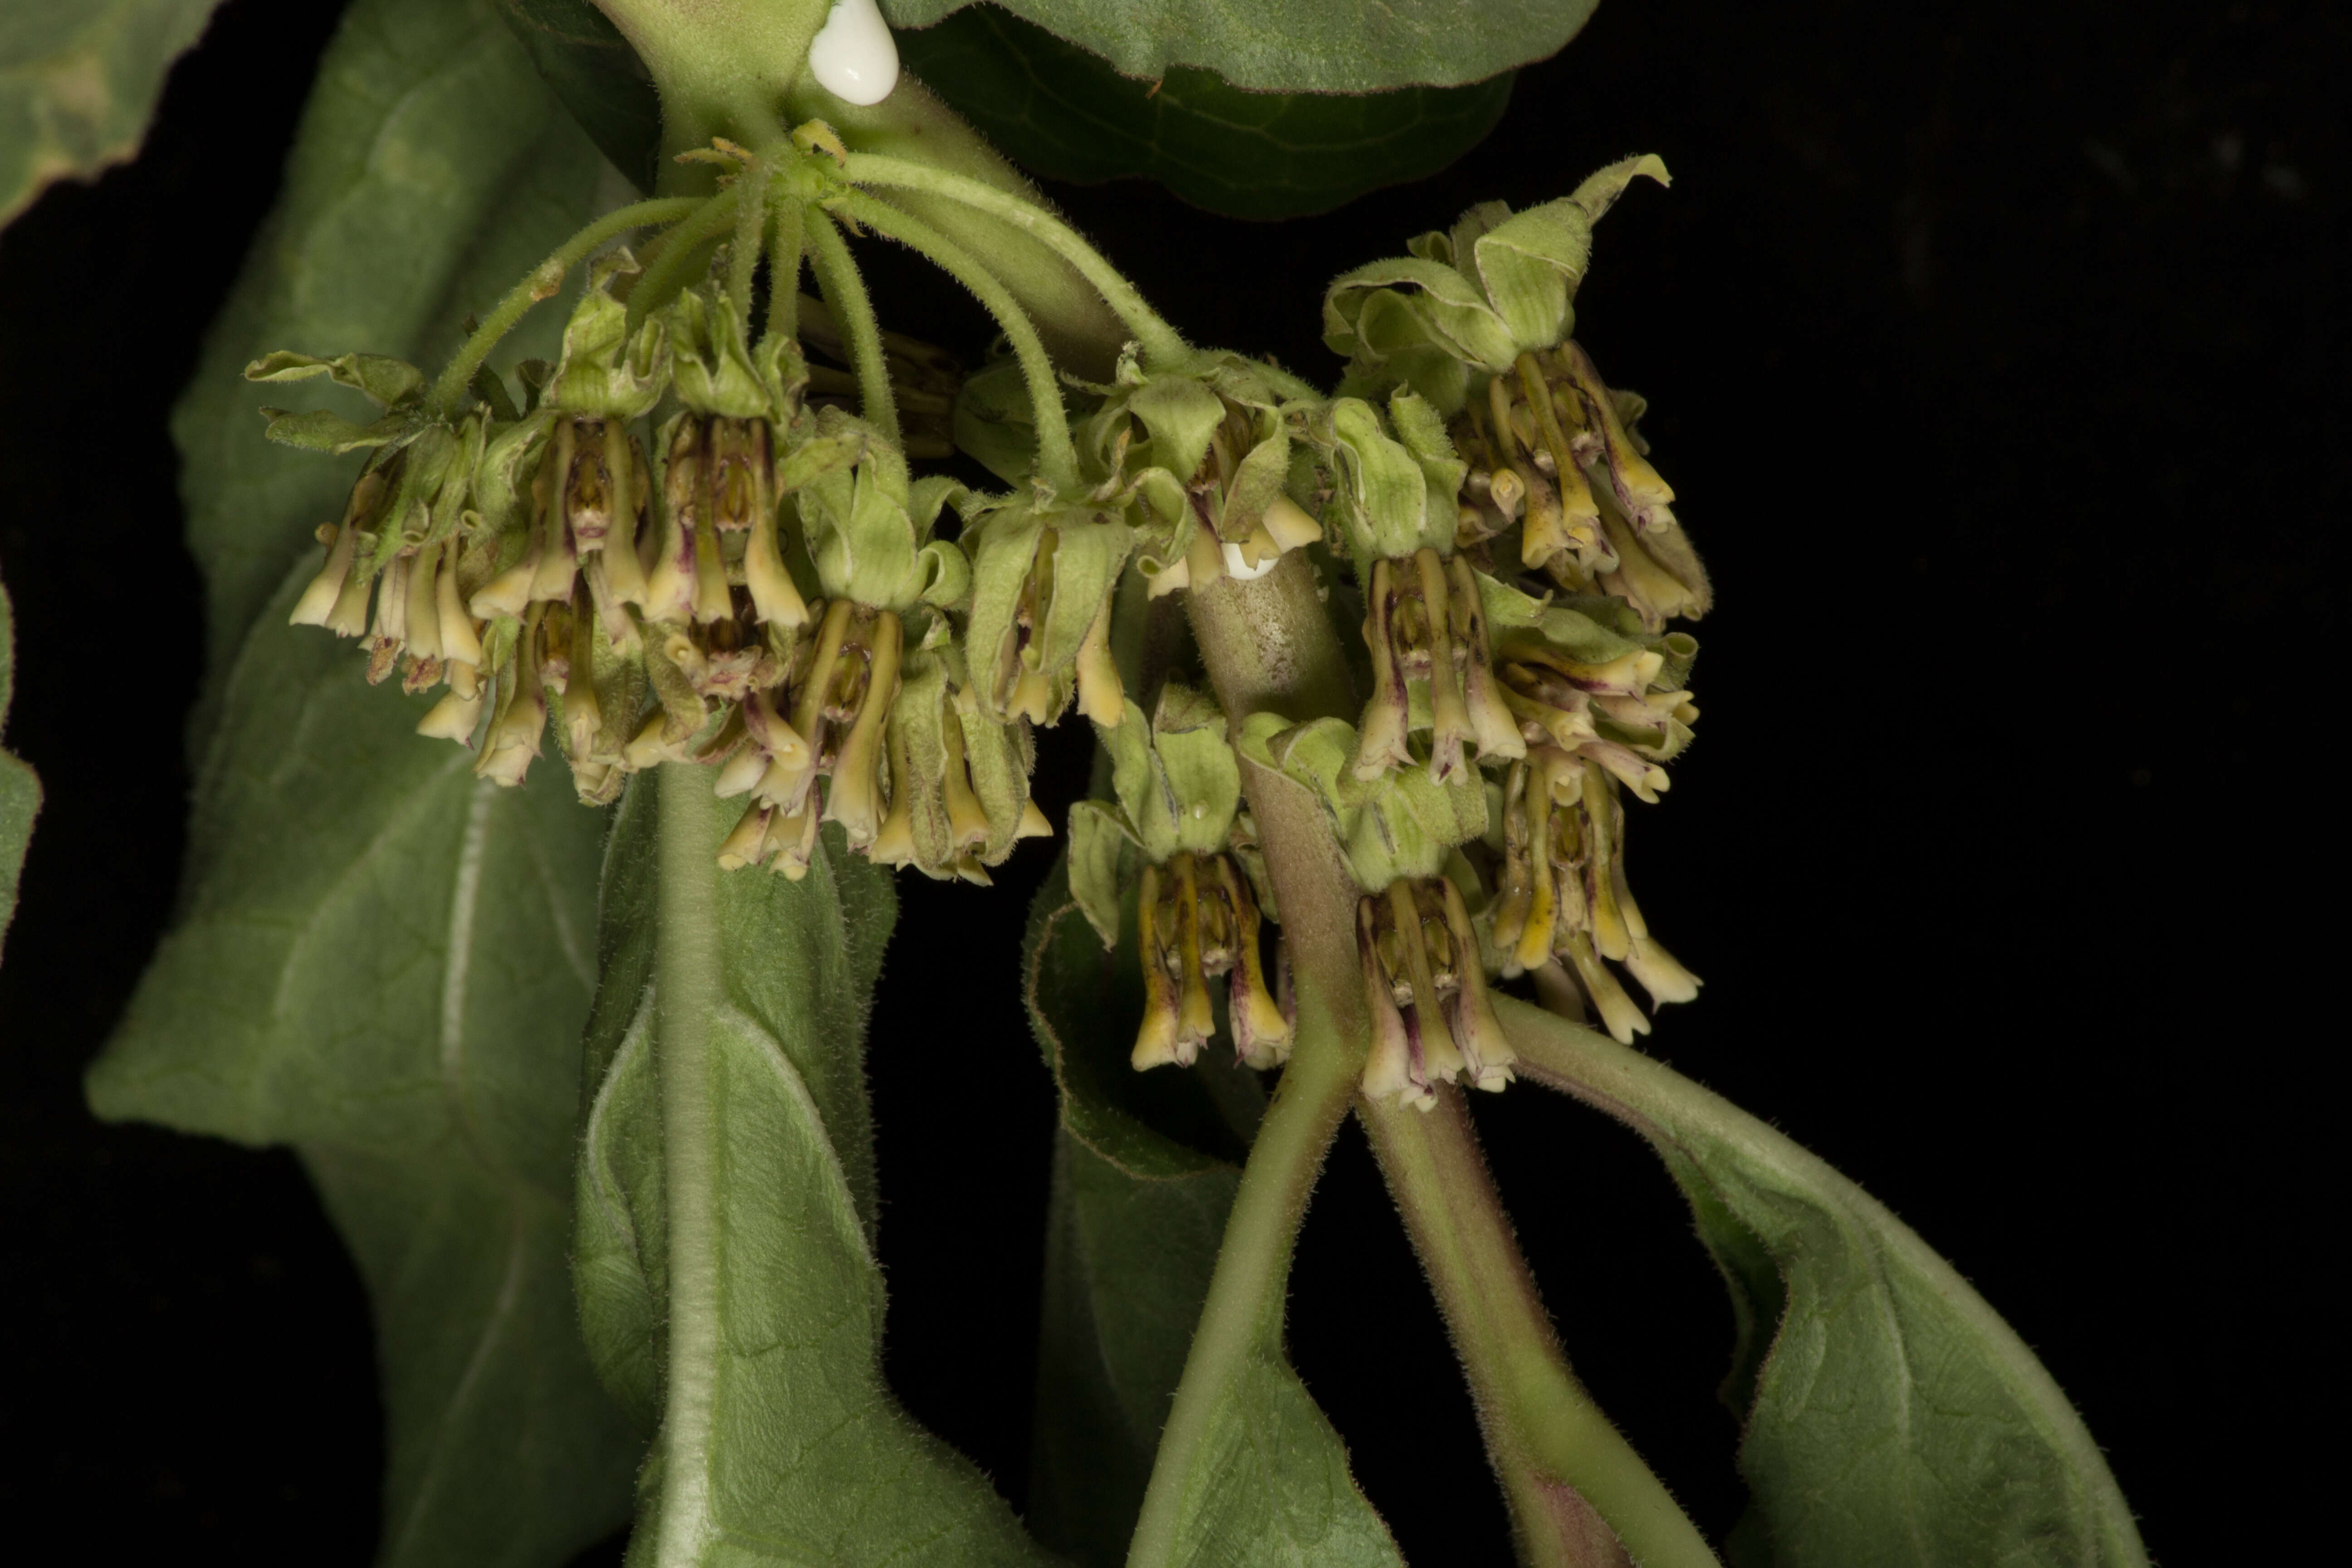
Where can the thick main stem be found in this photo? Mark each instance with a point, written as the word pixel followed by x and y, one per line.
pixel 1564 1468
pixel 689 984
pixel 1269 646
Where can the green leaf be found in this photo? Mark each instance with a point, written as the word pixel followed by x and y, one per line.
pixel 726 1209
pixel 378 959
pixel 1068 114
pixel 1144 1176
pixel 598 76
pixel 20 791
pixel 79 79
pixel 1297 45
pixel 1891 1416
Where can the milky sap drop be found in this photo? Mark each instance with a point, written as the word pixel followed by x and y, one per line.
pixel 853 56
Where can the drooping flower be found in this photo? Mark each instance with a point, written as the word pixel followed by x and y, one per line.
pixel 1172 834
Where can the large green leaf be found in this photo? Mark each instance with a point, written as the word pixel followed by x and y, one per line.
pixel 1297 45
pixel 598 78
pixel 1891 1416
pixel 20 792
pixel 725 1210
pixel 1066 114
pixel 1144 1175
pixel 79 79
pixel 378 959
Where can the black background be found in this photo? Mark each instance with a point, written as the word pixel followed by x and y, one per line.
pixel 1995 352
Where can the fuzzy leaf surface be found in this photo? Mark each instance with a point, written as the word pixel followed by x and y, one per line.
pixel 1144 1174
pixel 1297 45
pixel 378 959
pixel 78 81
pixel 20 792
pixel 1066 114
pixel 1891 1416
pixel 755 1326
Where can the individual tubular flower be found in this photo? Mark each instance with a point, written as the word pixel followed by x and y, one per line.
pixel 958 781
pixel 1425 624
pixel 1171 834
pixel 1563 896
pixel 1044 573
pixel 1425 991
pixel 1197 456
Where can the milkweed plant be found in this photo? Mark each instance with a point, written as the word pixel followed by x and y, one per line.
pixel 607 668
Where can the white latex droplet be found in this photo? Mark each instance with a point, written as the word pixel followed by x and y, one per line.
pixel 1241 570
pixel 853 56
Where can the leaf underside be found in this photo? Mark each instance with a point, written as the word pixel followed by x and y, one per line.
pixel 1145 1170
pixel 804 1456
pixel 1891 1416
pixel 378 959
pixel 1066 114
pixel 78 81
pixel 1296 46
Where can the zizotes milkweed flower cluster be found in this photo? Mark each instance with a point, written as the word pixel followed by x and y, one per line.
pixel 674 545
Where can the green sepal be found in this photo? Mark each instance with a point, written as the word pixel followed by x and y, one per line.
pixel 1100 844
pixel 434 483
pixel 1398 824
pixel 1148 446
pixel 1472 299
pixel 1089 548
pixel 868 532
pixel 321 431
pixel 497 487
pixel 1176 776
pixel 714 370
pixel 1392 494
pixel 935 688
pixel 385 382
pixel 606 369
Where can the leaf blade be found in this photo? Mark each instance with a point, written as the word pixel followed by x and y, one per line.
pixel 1895 1418
pixel 79 83
pixel 1296 46
pixel 1068 114
pixel 1138 1213
pixel 746 1265
pixel 377 959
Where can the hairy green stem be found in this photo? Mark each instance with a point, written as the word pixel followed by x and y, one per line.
pixel 1240 1320
pixel 1159 341
pixel 1058 459
pixel 750 226
pixel 541 283
pixel 913 125
pixel 690 985
pixel 1269 646
pixel 788 240
pixel 852 317
pixel 722 66
pixel 1565 1471
pixel 681 251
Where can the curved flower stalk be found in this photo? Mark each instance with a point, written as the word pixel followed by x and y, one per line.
pixel 1175 838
